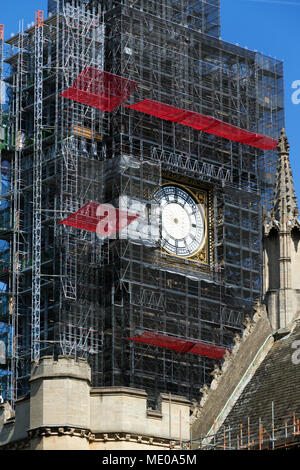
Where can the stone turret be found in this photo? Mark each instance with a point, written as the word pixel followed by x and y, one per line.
pixel 281 279
pixel 63 412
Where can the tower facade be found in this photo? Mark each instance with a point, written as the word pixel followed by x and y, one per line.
pixel 140 107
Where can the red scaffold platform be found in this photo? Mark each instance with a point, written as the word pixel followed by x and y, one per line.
pixel 180 345
pixel 204 123
pixel 103 90
pixel 102 219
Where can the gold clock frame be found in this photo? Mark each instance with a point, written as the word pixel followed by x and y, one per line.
pixel 202 195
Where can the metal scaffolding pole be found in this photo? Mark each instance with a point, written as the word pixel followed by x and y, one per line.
pixel 37 186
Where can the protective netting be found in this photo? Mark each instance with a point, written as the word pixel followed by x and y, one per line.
pixel 103 90
pixel 204 123
pixel 181 346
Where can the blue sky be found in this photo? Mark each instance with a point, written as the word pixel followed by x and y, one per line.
pixel 269 26
pixel 273 28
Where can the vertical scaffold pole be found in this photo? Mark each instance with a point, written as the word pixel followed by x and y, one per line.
pixel 37 186
pixel 16 183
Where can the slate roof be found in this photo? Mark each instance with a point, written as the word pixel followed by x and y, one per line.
pixel 276 380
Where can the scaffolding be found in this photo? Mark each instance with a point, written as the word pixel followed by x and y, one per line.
pixel 37 184
pixel 281 432
pixel 190 300
pixel 5 331
pixel 52 275
pixel 75 141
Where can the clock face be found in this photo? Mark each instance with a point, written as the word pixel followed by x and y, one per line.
pixel 182 221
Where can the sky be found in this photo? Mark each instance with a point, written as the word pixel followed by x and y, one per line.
pixel 270 26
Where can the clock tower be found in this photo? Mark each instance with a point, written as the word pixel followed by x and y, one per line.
pixel 137 106
pixel 190 147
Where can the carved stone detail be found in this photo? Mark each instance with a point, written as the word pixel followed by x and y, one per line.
pixel 60 431
pixel 195 410
pixel 285 212
pixel 204 390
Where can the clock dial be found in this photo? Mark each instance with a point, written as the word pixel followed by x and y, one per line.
pixel 182 221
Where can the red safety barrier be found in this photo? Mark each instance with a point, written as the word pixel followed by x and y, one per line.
pixel 181 346
pixel 103 219
pixel 204 123
pixel 99 89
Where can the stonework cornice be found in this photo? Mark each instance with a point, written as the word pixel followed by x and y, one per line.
pixel 22 444
pixel 48 431
pixel 137 439
pixel 56 431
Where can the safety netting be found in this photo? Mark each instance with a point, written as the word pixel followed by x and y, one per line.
pixel 204 123
pixel 180 345
pixel 103 90
pixel 103 219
